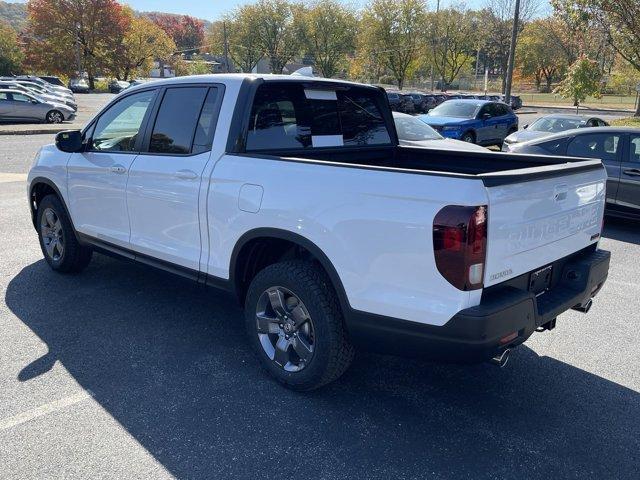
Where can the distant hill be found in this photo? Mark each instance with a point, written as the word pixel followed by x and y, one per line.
pixel 14 13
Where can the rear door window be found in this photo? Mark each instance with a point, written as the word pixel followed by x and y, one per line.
pixel 634 150
pixel 597 145
pixel 175 125
pixel 292 117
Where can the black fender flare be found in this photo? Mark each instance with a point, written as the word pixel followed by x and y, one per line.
pixel 281 234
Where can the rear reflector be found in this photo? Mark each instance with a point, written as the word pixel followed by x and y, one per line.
pixel 508 338
pixel 460 243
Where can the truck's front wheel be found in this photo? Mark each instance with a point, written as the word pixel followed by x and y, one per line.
pixel 58 241
pixel 295 325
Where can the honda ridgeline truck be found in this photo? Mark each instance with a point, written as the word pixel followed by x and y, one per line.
pixel 294 194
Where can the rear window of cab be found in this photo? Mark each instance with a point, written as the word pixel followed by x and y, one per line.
pixel 292 116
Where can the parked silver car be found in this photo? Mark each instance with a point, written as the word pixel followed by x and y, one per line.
pixel 550 124
pixel 38 89
pixel 55 87
pixel 22 106
pixel 47 97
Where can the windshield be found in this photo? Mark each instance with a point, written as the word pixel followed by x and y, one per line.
pixel 455 109
pixel 551 124
pixel 412 129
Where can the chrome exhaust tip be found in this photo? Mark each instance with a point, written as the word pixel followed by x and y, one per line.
pixel 501 359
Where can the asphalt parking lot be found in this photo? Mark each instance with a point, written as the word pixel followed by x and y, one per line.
pixel 127 372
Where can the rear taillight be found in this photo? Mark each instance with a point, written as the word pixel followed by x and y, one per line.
pixel 460 245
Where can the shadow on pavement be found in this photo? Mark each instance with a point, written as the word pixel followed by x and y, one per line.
pixel 622 230
pixel 169 361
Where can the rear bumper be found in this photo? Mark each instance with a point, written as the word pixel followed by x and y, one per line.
pixel 475 334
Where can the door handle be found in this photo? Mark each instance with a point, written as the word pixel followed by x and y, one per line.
pixel 117 169
pixel 186 174
pixel 635 172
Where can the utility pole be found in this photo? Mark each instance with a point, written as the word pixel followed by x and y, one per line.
pixel 433 45
pixel 226 47
pixel 512 54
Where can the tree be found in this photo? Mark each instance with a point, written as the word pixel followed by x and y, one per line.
pixel 393 33
pixel 582 81
pixel 539 55
pixel 57 28
pixel 329 34
pixel 620 19
pixel 10 53
pixel 497 24
pixel 143 43
pixel 278 32
pixel 185 31
pixel 195 66
pixel 455 45
pixel 244 48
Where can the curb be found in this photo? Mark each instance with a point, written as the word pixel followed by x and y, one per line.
pixel 33 131
pixel 593 109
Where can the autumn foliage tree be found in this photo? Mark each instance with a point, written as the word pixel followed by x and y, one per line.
pixel 244 47
pixel 329 34
pixel 540 55
pixel 393 33
pixel 186 32
pixel 582 81
pixel 279 30
pixel 57 28
pixel 10 53
pixel 142 43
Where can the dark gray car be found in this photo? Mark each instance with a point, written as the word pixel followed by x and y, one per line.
pixel 25 107
pixel 619 150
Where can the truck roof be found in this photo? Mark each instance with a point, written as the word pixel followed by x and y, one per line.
pixel 237 78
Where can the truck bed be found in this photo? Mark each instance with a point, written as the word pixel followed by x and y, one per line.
pixel 493 168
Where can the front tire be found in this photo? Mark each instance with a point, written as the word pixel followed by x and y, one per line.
pixel 58 241
pixel 54 116
pixel 295 325
pixel 468 137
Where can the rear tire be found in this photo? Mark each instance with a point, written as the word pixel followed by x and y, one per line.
pixel 58 240
pixel 54 116
pixel 295 325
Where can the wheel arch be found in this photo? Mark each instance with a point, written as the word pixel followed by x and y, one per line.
pixel 246 259
pixel 472 131
pixel 39 188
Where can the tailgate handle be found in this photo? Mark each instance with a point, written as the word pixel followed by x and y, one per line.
pixel 633 172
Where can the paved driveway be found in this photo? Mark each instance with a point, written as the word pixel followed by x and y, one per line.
pixel 127 372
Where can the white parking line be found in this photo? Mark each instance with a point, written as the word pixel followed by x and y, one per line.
pixel 12 177
pixel 43 410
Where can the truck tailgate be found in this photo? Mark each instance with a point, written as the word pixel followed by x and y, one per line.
pixel 535 222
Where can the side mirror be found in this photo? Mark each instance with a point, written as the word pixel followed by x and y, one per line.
pixel 69 141
pixel 486 116
pixel 525 126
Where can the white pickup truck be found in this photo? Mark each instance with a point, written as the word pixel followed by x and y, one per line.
pixel 294 194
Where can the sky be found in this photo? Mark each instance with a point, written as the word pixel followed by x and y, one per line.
pixel 214 9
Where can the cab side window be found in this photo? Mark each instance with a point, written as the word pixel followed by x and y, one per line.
pixel 597 145
pixel 118 128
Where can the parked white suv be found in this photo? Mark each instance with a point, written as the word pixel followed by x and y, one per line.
pixel 293 193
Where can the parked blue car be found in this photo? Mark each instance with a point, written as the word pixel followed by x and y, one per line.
pixel 483 122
